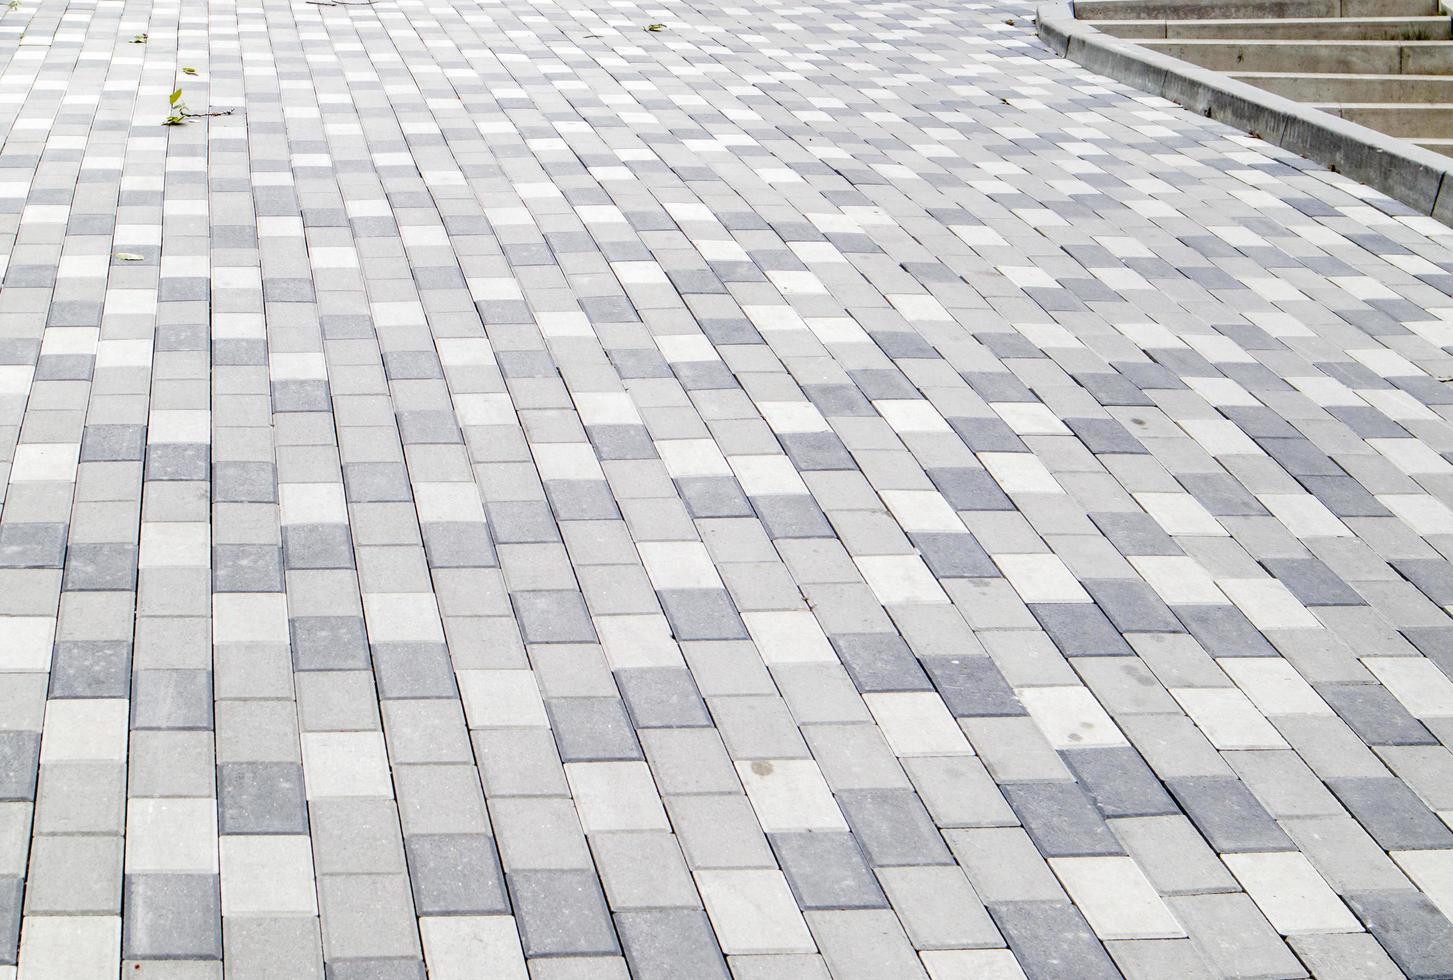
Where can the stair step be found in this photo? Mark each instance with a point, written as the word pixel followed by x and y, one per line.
pixel 1301 28
pixel 1395 118
pixel 1224 9
pixel 1306 87
pixel 1318 57
pixel 1437 145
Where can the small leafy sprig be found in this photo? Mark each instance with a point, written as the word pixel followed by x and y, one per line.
pixel 179 110
pixel 181 115
pixel 139 39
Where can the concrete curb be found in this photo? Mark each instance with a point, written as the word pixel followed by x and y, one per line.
pixel 1419 178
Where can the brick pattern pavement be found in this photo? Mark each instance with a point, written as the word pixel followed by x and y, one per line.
pixel 822 489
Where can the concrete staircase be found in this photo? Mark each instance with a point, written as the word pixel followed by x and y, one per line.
pixel 1386 64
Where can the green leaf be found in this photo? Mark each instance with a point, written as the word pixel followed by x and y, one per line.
pixel 130 257
pixel 175 97
pixel 189 71
pixel 655 27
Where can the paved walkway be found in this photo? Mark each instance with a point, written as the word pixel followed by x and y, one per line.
pixel 821 489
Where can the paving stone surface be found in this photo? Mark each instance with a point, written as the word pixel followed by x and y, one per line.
pixel 821 489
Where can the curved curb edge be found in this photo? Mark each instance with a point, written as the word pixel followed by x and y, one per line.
pixel 1417 177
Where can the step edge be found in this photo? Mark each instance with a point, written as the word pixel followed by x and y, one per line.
pixel 1396 167
pixel 1275 42
pixel 1430 18
pixel 1330 75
